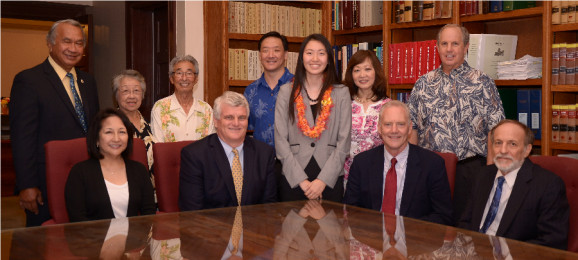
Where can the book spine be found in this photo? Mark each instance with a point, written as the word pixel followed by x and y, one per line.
pixel 562 71
pixel 563 124
pixel 555 64
pixel 564 12
pixel 536 113
pixel 523 106
pixel 428 10
pixel 570 63
pixel 571 11
pixel 555 123
pixel 556 12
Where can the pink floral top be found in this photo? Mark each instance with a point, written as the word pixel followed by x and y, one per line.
pixel 364 135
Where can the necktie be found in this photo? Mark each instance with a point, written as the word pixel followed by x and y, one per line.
pixel 237 230
pixel 494 206
pixel 497 248
pixel 237 175
pixel 388 203
pixel 390 226
pixel 77 103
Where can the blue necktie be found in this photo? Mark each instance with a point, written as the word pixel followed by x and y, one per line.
pixel 494 206
pixel 77 103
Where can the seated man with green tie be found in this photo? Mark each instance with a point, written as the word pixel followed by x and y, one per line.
pixel 515 198
pixel 227 168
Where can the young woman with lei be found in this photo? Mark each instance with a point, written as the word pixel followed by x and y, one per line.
pixel 312 126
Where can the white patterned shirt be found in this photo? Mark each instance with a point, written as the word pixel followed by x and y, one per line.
pixel 170 123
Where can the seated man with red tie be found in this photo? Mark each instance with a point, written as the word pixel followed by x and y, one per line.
pixel 400 178
pixel 514 198
pixel 227 168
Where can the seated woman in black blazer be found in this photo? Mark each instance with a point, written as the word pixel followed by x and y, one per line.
pixel 109 185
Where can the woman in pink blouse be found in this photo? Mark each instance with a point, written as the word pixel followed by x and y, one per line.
pixel 366 82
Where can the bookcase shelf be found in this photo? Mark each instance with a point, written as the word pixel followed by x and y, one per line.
pixel 420 24
pixel 240 83
pixel 257 37
pixel 564 146
pixel 508 15
pixel 565 27
pixel 518 83
pixel 401 86
pixel 565 88
pixel 367 29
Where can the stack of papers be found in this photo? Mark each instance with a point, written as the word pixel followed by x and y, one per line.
pixel 527 67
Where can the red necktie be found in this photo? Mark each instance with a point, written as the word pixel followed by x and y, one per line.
pixel 388 204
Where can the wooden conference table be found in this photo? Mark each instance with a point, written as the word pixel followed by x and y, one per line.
pixel 289 230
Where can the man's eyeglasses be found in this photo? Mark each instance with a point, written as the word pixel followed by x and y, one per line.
pixel 188 74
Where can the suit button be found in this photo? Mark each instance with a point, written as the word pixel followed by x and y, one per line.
pixel 312 144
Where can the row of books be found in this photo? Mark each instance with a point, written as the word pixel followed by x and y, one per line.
pixel 410 60
pixel 403 96
pixel 564 12
pixel 260 18
pixel 564 123
pixel 524 105
pixel 413 11
pixel 564 64
pixel 246 65
pixel 355 14
pixel 343 53
pixel 484 6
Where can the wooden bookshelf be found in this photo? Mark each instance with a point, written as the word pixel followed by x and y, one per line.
pixel 219 41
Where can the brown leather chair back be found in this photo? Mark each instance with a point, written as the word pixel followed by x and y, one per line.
pixel 567 169
pixel 61 156
pixel 167 167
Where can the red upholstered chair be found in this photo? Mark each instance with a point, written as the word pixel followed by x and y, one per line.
pixel 167 167
pixel 451 162
pixel 567 169
pixel 61 155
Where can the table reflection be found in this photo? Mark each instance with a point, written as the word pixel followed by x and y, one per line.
pixel 289 230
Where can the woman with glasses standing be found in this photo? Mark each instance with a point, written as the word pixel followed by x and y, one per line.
pixel 181 117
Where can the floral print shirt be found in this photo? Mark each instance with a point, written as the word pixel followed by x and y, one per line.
pixel 144 132
pixel 364 135
pixel 454 113
pixel 170 123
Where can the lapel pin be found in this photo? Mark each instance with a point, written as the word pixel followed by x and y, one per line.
pixel 82 81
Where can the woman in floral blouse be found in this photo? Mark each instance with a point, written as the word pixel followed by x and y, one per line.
pixel 180 116
pixel 366 82
pixel 129 89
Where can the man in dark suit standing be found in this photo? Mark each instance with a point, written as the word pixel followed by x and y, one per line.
pixel 227 168
pixel 400 178
pixel 515 198
pixel 52 101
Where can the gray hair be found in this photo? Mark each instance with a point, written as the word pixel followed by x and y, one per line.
pixel 128 74
pixel 230 98
pixel 394 103
pixel 188 58
pixel 465 33
pixel 51 36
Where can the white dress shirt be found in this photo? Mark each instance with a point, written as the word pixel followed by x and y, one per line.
pixel 507 187
pixel 400 168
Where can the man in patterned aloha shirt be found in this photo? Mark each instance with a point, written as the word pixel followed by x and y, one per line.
pixel 262 93
pixel 453 109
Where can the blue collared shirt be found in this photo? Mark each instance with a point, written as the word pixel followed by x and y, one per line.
pixel 262 101
pixel 230 155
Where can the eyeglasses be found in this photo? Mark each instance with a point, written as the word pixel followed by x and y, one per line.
pixel 188 74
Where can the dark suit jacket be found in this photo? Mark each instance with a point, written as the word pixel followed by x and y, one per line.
pixel 41 111
pixel 206 180
pixel 426 193
pixel 537 210
pixel 87 197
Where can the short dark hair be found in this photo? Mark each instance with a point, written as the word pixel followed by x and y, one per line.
pixel 378 87
pixel 528 134
pixel 276 35
pixel 94 132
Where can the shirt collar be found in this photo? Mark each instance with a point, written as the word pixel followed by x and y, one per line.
pixel 284 79
pixel 59 70
pixel 176 105
pixel 401 157
pixel 228 148
pixel 510 178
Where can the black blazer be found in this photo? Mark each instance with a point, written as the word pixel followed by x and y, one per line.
pixel 537 210
pixel 87 197
pixel 206 180
pixel 426 193
pixel 41 111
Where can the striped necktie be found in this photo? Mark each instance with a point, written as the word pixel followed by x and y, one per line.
pixel 77 103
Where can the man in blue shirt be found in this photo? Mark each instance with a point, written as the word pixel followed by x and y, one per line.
pixel 262 93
